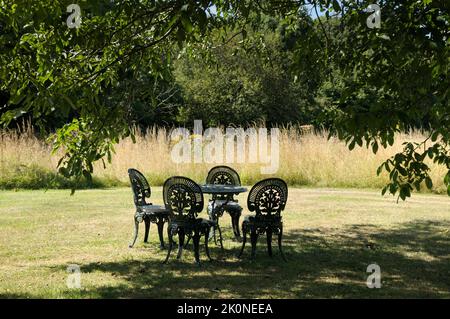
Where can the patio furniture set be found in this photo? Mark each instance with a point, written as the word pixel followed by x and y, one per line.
pixel 184 201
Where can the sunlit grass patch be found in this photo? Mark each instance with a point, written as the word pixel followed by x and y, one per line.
pixel 331 236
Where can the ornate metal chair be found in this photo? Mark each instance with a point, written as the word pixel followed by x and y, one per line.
pixel 221 203
pixel 146 212
pixel 184 198
pixel 267 199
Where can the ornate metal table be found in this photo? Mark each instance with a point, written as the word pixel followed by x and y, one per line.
pixel 222 189
pixel 216 207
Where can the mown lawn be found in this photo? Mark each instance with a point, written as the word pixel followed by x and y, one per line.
pixel 331 236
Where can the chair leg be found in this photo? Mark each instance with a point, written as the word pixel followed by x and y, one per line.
pixel 187 241
pixel 214 235
pixel 147 229
pixel 180 243
pixel 244 240
pixel 220 236
pixel 269 241
pixel 206 243
pixel 160 232
pixel 136 230
pixel 196 241
pixel 235 223
pixel 253 239
pixel 280 237
pixel 169 233
pixel 210 211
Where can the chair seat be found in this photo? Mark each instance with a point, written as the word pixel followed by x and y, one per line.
pixel 251 219
pixel 192 224
pixel 153 210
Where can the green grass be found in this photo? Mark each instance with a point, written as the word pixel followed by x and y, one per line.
pixel 331 236
pixel 36 177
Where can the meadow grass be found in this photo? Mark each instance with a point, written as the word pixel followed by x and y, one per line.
pixel 305 160
pixel 331 236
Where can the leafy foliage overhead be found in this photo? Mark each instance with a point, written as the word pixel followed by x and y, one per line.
pixel 389 78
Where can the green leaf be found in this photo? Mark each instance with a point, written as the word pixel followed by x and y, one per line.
pixel 434 136
pixel 417 185
pixel 380 169
pixel 402 171
pixel 187 24
pixel 402 194
pixel 351 145
pixel 391 139
pixel 63 171
pixel 428 182
pixel 336 6
pixel 87 175
pixel 387 167
pixel 405 192
pixel 375 147
pixel 447 178
pixel 10 115
pixel 395 176
pixel 393 188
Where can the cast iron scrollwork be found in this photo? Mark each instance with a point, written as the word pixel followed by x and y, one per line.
pixel 220 203
pixel 181 200
pixel 267 199
pixel 184 198
pixel 146 212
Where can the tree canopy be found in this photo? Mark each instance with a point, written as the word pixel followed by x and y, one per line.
pixel 240 85
pixel 375 81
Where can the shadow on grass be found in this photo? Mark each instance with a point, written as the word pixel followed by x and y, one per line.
pixel 322 263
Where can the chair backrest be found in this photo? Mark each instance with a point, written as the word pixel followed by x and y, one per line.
pixel 183 197
pixel 268 197
pixel 140 187
pixel 223 175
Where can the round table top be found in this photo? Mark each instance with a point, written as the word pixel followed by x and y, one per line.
pixel 222 189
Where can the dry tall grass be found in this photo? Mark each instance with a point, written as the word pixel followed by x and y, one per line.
pixel 305 159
